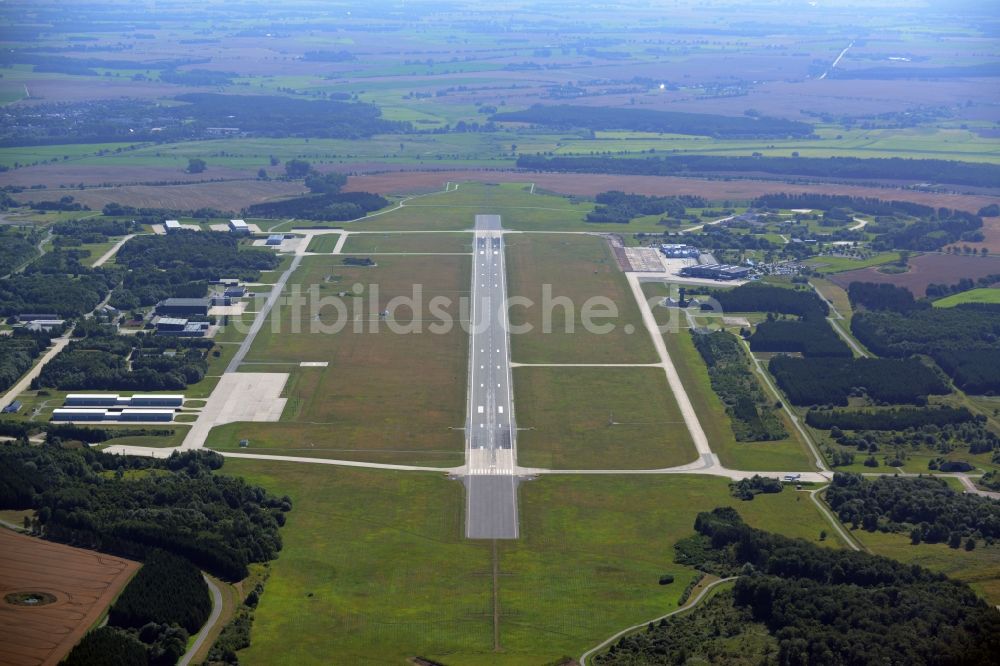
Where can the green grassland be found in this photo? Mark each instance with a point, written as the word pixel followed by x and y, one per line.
pixel 781 455
pixel 979 568
pixel 360 243
pixel 323 243
pixel 375 566
pixel 578 268
pixel 829 264
pixel 599 418
pixel 986 295
pixel 386 396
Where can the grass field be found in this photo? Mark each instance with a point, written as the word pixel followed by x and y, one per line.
pixel 979 568
pixel 786 454
pixel 578 268
pixel 385 396
pixel 987 295
pixel 375 568
pixel 324 243
pixel 377 242
pixel 599 418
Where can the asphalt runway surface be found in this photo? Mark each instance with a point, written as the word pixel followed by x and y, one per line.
pixel 491 511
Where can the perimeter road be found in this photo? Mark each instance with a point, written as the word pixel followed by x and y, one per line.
pixel 491 482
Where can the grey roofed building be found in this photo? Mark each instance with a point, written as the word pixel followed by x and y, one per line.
pixel 33 317
pixel 183 306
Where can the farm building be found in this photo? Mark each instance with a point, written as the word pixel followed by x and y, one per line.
pixel 24 318
pixel 171 225
pixel 183 306
pixel 13 408
pixel 274 239
pixel 238 227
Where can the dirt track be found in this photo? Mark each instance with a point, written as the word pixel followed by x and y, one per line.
pixel 83 582
pixel 590 184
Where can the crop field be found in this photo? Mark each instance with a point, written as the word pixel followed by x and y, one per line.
pixel 53 594
pixel 360 575
pixel 598 418
pixel 577 268
pixel 924 270
pixel 986 295
pixel 361 243
pixel 386 396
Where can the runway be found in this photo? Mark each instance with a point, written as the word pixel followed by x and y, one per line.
pixel 491 449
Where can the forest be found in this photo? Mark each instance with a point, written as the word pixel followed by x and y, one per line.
pixel 564 116
pixel 198 255
pixel 110 362
pixel 811 337
pixel 63 295
pixel 15 250
pixel 821 606
pixel 620 208
pixel 138 120
pixel 925 507
pixel 752 415
pixel 90 499
pixel 883 296
pixel 18 352
pixel 869 168
pixel 831 381
pixel 756 297
pixel 329 206
pixel 962 340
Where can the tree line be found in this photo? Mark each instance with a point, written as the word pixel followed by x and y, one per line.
pixel 752 415
pixel 568 116
pixel 870 168
pixel 620 208
pixel 810 337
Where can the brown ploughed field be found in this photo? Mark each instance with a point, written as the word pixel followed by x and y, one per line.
pixel 924 270
pixel 51 595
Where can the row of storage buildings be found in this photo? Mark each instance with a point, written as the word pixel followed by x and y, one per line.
pixel 111 407
pixel 106 415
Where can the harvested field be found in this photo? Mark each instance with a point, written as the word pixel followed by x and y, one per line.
pixel 991 237
pixel 590 184
pixel 230 195
pixel 78 585
pixel 924 270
